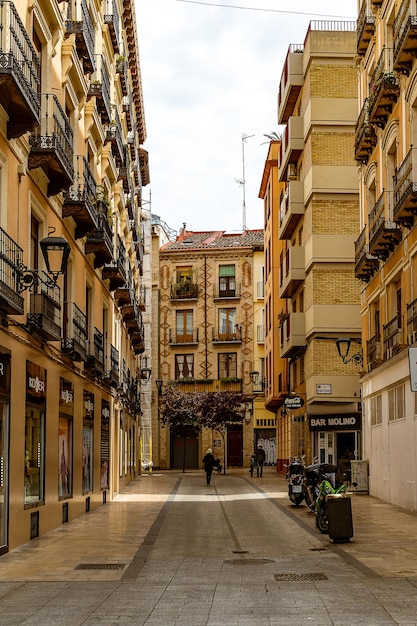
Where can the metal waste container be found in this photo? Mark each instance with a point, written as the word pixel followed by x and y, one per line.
pixel 339 515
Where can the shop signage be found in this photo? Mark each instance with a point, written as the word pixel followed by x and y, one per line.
pixel 4 373
pixel 293 402
pixel 35 380
pixel 348 421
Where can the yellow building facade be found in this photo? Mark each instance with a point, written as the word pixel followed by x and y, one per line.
pixel 206 330
pixel 72 167
pixel 386 250
pixel 318 222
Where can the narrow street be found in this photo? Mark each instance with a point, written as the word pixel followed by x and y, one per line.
pixel 172 551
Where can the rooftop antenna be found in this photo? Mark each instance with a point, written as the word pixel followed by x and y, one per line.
pixel 242 181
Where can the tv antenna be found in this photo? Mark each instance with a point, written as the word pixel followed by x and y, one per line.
pixel 242 181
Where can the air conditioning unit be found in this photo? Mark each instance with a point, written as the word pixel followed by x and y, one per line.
pixel 292 171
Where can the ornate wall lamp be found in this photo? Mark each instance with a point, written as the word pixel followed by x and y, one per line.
pixel 343 347
pixel 55 251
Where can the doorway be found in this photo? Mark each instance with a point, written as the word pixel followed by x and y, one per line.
pixel 235 446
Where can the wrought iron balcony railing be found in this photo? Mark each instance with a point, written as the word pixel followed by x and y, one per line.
pixel 52 145
pixel 188 336
pixel 44 318
pixel 79 22
pixel 95 357
pixel 112 19
pixel 19 73
pixel 79 199
pixel 405 190
pixel 11 262
pixel 99 87
pixel 74 340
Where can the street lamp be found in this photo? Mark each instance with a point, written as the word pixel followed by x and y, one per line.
pixel 343 346
pixel 55 251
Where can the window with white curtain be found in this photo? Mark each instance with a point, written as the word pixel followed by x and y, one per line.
pixel 184 366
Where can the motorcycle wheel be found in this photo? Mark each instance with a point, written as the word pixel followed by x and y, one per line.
pixel 322 522
pixel 309 500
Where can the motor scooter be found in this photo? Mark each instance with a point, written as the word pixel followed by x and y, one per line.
pixel 326 487
pixel 313 476
pixel 295 478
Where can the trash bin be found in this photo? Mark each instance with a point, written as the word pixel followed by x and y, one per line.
pixel 339 515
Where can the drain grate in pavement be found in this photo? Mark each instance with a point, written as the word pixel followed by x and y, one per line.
pixel 302 577
pixel 248 561
pixel 117 566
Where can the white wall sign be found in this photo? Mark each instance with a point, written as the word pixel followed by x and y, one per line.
pixel 323 388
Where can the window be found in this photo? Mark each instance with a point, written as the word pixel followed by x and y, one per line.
pixel 184 325
pixel 184 366
pixel 66 414
pixel 184 275
pixel 396 403
pixel 376 410
pixel 35 432
pixel 227 324
pixel 228 365
pixel 227 280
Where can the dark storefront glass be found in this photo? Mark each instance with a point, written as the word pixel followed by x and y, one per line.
pixel 88 440
pixel 66 415
pixel 35 432
pixel 105 445
pixel 4 444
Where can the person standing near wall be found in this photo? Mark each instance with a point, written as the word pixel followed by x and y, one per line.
pixel 260 460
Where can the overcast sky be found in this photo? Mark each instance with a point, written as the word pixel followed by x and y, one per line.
pixel 210 73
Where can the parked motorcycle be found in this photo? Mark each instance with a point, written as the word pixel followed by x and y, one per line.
pixel 326 487
pixel 295 478
pixel 313 476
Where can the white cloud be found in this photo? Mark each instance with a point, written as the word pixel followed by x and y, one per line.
pixel 209 75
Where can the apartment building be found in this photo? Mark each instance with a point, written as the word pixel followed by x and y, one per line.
pixel 72 169
pixel 276 368
pixel 205 289
pixel 318 213
pixel 386 249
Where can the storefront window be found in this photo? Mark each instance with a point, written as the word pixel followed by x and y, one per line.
pixel 35 432
pixel 87 453
pixel 4 444
pixel 105 445
pixel 66 415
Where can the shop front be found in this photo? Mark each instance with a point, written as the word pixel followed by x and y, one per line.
pixel 4 444
pixel 336 439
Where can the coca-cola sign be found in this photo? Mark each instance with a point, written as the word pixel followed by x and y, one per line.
pixel 293 402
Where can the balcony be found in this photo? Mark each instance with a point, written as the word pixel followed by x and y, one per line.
pixel 79 199
pixel 393 333
pixel 373 353
pixel 184 291
pixel 292 271
pixel 114 136
pixel 195 385
pixel 124 294
pixel 52 146
pixel 405 190
pixel 112 19
pixel 384 90
pixel 19 74
pixel 99 88
pixel 80 24
pixel 291 209
pixel 11 262
pixel 293 335
pixel 404 33
pixel 292 145
pixel 231 291
pixel 95 354
pixel 412 322
pixel 74 340
pixel 44 319
pixel 144 166
pixel 365 28
pixel 227 335
pixel 112 373
pixel 127 110
pixel 189 337
pixel 365 136
pixel 142 298
pixel 292 79
pixel 100 241
pixel 384 233
pixel 115 270
pixel 365 263
pixel 121 71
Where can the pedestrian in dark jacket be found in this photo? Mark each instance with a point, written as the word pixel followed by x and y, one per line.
pixel 209 462
pixel 260 460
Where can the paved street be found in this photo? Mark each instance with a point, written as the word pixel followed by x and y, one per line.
pixel 172 551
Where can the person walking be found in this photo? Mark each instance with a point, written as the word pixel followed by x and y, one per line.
pixel 209 462
pixel 260 460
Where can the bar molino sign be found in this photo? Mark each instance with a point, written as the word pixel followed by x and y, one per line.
pixel 346 421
